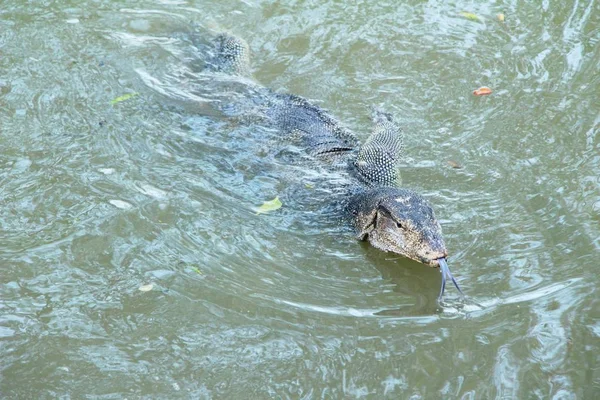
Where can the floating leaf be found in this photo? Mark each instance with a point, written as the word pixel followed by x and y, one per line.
pixel 482 91
pixel 309 186
pixel 107 171
pixel 469 16
pixel 123 205
pixel 126 96
pixel 270 205
pixel 454 164
pixel 500 17
pixel 197 270
pixel 146 288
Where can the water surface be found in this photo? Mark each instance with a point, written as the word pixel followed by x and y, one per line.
pixel 100 199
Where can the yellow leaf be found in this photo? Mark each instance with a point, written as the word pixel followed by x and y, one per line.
pixel 197 270
pixel 123 98
pixel 500 17
pixel 469 16
pixel 270 205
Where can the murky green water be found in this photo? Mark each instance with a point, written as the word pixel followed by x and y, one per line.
pixel 97 200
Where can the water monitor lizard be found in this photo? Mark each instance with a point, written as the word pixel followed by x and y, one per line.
pixel 390 218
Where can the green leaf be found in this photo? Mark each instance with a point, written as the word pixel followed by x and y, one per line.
pixel 469 16
pixel 126 96
pixel 270 205
pixel 197 270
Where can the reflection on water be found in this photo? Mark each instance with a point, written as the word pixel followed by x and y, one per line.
pixel 100 199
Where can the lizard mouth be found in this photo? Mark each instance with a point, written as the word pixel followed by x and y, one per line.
pixel 445 270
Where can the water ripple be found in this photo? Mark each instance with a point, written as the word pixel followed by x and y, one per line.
pixel 101 198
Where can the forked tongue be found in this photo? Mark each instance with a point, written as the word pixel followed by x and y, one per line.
pixel 445 270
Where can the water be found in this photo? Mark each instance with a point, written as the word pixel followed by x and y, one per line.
pixel 100 199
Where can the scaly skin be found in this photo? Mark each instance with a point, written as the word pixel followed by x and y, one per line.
pixel 392 219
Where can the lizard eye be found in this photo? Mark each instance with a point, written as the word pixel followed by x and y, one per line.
pixel 399 225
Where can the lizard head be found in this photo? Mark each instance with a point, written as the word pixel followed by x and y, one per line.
pixel 400 221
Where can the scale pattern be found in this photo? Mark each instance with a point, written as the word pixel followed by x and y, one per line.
pixel 230 55
pixel 392 219
pixel 374 164
pixel 378 158
pixel 320 133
